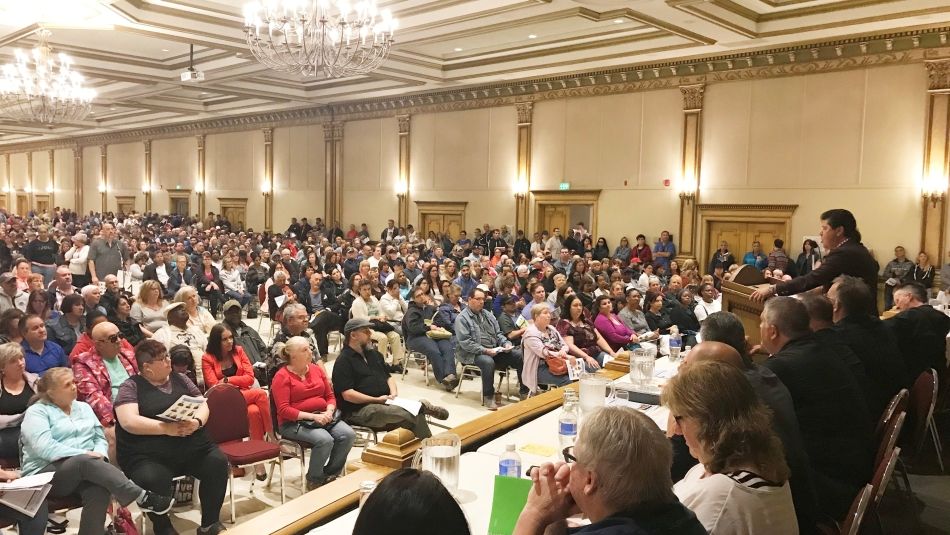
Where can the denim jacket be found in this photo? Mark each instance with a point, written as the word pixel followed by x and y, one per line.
pixel 468 334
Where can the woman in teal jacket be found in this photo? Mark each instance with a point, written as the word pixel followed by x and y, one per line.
pixel 62 435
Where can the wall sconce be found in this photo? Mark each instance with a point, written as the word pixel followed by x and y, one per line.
pixel 934 188
pixel 102 188
pixel 28 189
pixel 265 188
pixel 146 189
pixel 6 189
pixel 687 188
pixel 402 188
pixel 520 188
pixel 50 189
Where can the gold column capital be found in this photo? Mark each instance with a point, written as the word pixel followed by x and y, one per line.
pixel 268 135
pixel 404 124
pixel 938 75
pixel 525 112
pixel 692 96
pixel 148 145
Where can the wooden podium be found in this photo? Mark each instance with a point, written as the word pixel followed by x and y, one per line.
pixel 736 299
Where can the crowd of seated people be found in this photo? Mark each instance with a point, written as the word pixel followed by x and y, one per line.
pixel 494 301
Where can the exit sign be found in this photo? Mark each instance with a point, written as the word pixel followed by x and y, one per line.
pixel 564 186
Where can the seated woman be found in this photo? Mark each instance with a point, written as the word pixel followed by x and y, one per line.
pixel 708 302
pixel 366 306
pixel 682 315
pixel 409 501
pixel 306 410
pixel 582 338
pixel 450 308
pixel 226 362
pixel 152 451
pixel 657 318
pixel 38 303
pixel 62 435
pixel 10 325
pixel 132 331
pixel 209 285
pixel 741 482
pixel 441 353
pixel 149 308
pixel 610 327
pixel 85 342
pixel 198 316
pixel 234 287
pixel 632 314
pixel 393 306
pixel 546 354
pixel 69 327
pixel 41 353
pixel 17 386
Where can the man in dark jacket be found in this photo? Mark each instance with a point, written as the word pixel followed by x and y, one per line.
pixel 832 414
pixel 920 331
pixel 244 335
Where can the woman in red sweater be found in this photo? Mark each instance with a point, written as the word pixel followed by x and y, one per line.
pixel 306 411
pixel 225 362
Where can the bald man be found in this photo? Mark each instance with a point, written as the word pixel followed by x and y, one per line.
pixel 773 394
pixel 99 373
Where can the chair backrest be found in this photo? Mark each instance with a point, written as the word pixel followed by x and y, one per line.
pixel 889 438
pixel 227 421
pixel 882 478
pixel 923 398
pixel 852 522
pixel 897 405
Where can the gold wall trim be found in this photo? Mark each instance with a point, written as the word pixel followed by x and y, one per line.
pixel 854 52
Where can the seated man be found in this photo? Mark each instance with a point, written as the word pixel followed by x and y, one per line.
pixel 39 353
pixel 61 287
pixel 362 387
pixel 99 373
pixel 179 332
pixel 832 414
pixel 244 335
pixel 920 330
pixel 481 342
pixel 624 489
pixel 110 296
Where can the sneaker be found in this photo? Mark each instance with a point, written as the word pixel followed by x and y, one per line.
pixel 435 411
pixel 450 382
pixel 489 403
pixel 155 503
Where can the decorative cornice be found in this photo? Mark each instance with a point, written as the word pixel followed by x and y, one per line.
pixel 525 113
pixel 749 207
pixel 843 54
pixel 404 123
pixel 938 75
pixel 693 97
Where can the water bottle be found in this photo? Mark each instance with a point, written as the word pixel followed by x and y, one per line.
pixel 366 488
pixel 567 423
pixel 510 463
pixel 676 342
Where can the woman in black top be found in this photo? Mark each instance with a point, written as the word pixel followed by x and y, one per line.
pixel 441 353
pixel 333 290
pixel 17 386
pixel 151 452
pixel 208 282
pixel 131 329
pixel 601 251
pixel 807 258
pixel 923 273
pixel 657 318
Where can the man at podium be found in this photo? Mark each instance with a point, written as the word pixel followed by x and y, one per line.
pixel 846 256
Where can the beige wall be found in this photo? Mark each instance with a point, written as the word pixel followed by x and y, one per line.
pixel 65 180
pixel 850 139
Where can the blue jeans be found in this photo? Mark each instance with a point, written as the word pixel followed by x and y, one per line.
pixel 488 365
pixel 244 298
pixel 330 447
pixel 48 272
pixel 441 354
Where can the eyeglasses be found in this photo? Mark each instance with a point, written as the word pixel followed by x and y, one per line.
pixel 112 339
pixel 568 454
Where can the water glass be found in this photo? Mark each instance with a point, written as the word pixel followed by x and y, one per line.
pixel 641 368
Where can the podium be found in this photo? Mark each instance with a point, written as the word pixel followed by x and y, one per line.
pixel 736 299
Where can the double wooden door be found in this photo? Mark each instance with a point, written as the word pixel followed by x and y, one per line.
pixel 554 216
pixel 451 224
pixel 740 235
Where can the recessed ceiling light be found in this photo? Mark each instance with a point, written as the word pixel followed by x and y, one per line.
pixel 458 49
pixel 204 92
pixel 112 108
pixel 164 50
pixel 532 36
pixel 239 54
pixel 618 21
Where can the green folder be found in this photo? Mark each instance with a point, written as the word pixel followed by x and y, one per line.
pixel 509 498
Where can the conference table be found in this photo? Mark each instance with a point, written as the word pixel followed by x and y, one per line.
pixel 536 441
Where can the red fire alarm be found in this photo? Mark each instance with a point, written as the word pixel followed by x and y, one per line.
pixel 666 182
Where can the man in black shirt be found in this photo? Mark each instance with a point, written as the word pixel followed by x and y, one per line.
pixel 41 253
pixel 920 330
pixel 363 387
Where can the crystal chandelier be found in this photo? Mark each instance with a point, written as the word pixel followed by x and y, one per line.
pixel 43 88
pixel 335 38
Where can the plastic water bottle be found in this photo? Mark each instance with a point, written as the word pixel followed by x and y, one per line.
pixel 676 342
pixel 567 423
pixel 510 463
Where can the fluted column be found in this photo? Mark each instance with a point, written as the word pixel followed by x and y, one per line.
pixel 268 187
pixel 77 177
pixel 523 182
pixel 333 157
pixel 30 190
pixel 103 177
pixel 403 188
pixel 147 175
pixel 692 156
pixel 11 191
pixel 936 161
pixel 51 189
pixel 200 186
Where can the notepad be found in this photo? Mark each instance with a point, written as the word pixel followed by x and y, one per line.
pixel 538 449
pixel 508 499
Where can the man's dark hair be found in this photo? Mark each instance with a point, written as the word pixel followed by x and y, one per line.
pixel 726 328
pixel 779 243
pixel 789 316
pixel 819 307
pixel 416 501
pixel 915 289
pixel 839 217
pixel 853 295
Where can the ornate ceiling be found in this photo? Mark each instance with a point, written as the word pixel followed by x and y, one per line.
pixel 132 51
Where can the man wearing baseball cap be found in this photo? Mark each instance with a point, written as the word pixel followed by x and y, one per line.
pixel 365 390
pixel 10 295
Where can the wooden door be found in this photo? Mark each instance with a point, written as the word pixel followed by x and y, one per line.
pixel 740 235
pixel 179 205
pixel 236 215
pixel 22 204
pixel 125 205
pixel 731 232
pixel 432 223
pixel 555 216
pixel 765 234
pixel 42 204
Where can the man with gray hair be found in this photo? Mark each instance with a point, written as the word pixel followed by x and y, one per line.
pixel 624 489
pixel 920 330
pixel 832 414
pixel 91 295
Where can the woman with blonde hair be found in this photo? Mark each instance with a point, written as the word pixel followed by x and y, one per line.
pixel 17 386
pixel 740 485
pixel 148 308
pixel 198 316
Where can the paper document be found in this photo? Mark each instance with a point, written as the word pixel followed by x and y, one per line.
pixel 280 300
pixel 410 405
pixel 36 480
pixel 26 501
pixel 181 410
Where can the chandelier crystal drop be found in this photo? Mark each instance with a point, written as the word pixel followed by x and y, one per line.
pixel 335 38
pixel 41 87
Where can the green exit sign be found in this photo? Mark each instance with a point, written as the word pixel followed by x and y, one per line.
pixel 564 186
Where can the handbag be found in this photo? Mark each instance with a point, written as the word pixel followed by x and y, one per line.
pixel 439 333
pixel 310 424
pixel 556 365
